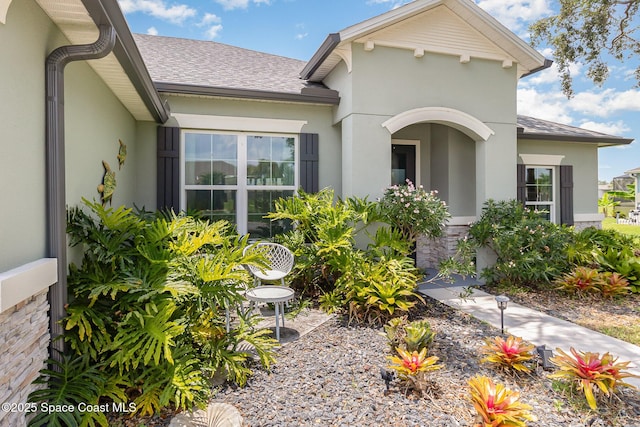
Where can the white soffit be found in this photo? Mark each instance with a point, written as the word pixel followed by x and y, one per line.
pixel 75 23
pixel 541 159
pixel 4 8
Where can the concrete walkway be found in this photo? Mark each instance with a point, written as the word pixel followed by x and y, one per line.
pixel 534 326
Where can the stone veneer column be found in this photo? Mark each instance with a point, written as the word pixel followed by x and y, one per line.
pixel 24 340
pixel 429 252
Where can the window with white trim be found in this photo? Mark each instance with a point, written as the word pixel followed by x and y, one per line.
pixel 540 190
pixel 238 176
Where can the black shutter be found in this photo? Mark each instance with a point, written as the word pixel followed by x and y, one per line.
pixel 168 188
pixel 566 194
pixel 309 162
pixel 521 183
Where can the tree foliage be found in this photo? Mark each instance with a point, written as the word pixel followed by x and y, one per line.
pixel 586 31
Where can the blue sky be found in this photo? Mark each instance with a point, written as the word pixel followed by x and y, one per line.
pixel 296 28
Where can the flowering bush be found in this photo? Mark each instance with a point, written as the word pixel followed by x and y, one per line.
pixel 529 249
pixel 497 406
pixel 414 211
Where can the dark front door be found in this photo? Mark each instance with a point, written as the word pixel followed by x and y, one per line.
pixel 403 164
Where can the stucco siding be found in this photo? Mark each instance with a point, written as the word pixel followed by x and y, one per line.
pixel 583 157
pixel 25 40
pixel 94 122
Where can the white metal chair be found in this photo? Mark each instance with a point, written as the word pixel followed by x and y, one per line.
pixel 279 259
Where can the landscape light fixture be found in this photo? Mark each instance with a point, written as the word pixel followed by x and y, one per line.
pixel 502 301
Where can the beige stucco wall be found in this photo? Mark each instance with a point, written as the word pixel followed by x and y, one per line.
pixel 583 157
pixel 386 81
pixel 24 40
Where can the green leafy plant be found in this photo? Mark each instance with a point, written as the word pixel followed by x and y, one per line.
pixel 511 353
pixel 496 405
pixel 529 249
pixel 410 336
pixel 624 261
pixel 148 304
pixel 412 367
pixel 590 372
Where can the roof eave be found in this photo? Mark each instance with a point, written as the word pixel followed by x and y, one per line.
pixel 320 56
pixel 600 141
pixel 312 96
pixel 126 50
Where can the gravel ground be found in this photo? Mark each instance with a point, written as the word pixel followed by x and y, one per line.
pixel 331 377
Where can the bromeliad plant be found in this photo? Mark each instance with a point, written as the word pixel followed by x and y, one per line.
pixel 590 373
pixel 512 353
pixel 581 279
pixel 410 336
pixel 412 368
pixel 497 406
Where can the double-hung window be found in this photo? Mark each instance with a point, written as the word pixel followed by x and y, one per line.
pixel 540 194
pixel 238 176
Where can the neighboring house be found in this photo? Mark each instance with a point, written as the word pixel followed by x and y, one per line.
pixel 425 92
pixel 635 174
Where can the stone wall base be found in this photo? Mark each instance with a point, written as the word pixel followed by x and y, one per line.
pixel 24 340
pixel 585 224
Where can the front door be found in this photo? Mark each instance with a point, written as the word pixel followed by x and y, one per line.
pixel 403 164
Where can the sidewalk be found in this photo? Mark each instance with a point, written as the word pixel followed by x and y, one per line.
pixel 534 326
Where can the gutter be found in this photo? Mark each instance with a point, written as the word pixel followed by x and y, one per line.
pixel 326 49
pixel 55 149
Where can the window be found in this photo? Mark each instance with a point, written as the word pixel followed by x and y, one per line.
pixel 238 176
pixel 539 182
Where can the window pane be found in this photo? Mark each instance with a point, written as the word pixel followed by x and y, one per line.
pixel 211 159
pixel 258 148
pixel 270 160
pixel 282 149
pixel 260 204
pixel 213 204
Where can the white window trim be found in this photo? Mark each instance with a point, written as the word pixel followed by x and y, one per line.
pixel 238 124
pixel 241 188
pixel 554 189
pixel 541 159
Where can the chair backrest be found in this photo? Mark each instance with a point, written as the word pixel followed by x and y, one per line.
pixel 278 257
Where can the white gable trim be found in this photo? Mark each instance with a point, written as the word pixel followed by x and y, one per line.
pixel 4 8
pixel 239 124
pixel 464 122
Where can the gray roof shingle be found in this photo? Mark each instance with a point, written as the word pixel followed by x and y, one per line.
pixel 533 128
pixel 212 64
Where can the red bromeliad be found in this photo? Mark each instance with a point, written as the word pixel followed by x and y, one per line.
pixel 510 353
pixel 497 406
pixel 591 372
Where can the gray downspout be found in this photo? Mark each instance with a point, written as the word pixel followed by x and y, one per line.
pixel 55 148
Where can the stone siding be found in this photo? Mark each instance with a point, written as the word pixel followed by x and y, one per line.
pixel 585 224
pixel 24 340
pixel 429 252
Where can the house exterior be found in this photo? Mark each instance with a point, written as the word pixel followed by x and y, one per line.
pixel 635 173
pixel 425 92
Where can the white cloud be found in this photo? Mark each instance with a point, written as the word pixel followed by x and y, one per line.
pixel 177 13
pixel 552 106
pixel 606 102
pixel 611 128
pixel 152 31
pixel 516 14
pixel 213 31
pixel 240 4
pixel 301 36
pixel 210 18
pixel 393 3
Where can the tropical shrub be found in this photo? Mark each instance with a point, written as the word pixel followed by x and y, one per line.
pixel 412 368
pixel 410 336
pixel 624 261
pixel 511 353
pixel 591 373
pixel 147 305
pixel 613 285
pixel 497 406
pixel 414 211
pixel 530 250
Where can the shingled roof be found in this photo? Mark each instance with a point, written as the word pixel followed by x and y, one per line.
pixel 532 128
pixel 211 68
